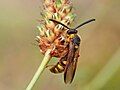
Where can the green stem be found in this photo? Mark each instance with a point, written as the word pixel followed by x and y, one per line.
pixel 41 68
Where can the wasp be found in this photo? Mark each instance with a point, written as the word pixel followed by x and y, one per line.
pixel 68 61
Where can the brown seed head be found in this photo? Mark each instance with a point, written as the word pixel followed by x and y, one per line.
pixel 53 35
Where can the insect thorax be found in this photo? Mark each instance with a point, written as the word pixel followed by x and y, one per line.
pixel 76 40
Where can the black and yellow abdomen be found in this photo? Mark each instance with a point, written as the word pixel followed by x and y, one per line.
pixel 59 67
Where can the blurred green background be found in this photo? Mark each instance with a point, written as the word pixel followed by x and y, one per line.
pixel 98 66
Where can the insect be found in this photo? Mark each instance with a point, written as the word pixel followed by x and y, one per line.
pixel 68 61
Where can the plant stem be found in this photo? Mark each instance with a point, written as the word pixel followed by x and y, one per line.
pixel 41 68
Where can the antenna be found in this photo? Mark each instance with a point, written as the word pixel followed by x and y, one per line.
pixel 59 23
pixel 86 22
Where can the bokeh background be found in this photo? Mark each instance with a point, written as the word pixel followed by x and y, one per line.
pixel 98 66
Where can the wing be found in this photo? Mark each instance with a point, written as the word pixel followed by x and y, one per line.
pixel 71 63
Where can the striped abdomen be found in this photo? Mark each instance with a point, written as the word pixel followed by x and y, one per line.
pixel 59 67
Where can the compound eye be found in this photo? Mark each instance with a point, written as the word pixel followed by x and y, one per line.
pixel 75 31
pixel 68 32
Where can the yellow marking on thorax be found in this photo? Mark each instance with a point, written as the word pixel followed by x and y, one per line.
pixel 69 37
pixel 72 35
pixel 76 47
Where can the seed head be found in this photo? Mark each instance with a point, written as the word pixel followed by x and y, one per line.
pixel 53 35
